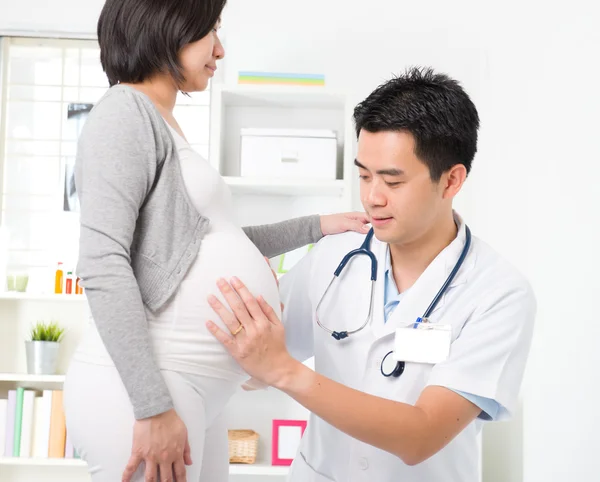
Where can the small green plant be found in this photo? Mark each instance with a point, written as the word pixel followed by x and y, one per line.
pixel 46 332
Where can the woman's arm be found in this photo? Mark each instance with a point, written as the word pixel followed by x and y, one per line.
pixel 275 239
pixel 115 170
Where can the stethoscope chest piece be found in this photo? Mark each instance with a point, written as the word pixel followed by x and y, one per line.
pixel 391 367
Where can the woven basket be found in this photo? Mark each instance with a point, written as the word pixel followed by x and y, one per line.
pixel 243 446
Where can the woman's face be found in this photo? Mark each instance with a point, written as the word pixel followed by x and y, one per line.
pixel 199 61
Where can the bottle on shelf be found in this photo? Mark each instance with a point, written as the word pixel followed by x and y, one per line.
pixel 78 287
pixel 58 280
pixel 69 283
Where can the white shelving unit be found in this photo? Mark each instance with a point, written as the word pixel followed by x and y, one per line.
pixel 25 378
pixel 253 470
pixel 289 107
pixel 257 201
pixel 18 311
pixel 27 462
pixel 21 468
pixel 13 295
pixel 258 469
pixel 285 187
pixel 234 470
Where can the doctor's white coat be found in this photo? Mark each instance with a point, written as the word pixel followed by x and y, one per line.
pixel 491 310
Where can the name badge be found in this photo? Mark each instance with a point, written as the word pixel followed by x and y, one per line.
pixel 425 344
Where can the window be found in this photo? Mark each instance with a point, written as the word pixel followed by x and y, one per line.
pixel 47 84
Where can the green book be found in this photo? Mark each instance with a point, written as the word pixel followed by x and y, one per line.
pixel 18 422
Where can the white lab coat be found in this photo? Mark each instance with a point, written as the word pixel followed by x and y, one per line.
pixel 491 309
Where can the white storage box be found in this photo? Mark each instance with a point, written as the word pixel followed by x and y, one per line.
pixel 288 153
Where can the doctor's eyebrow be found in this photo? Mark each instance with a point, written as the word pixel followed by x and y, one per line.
pixel 382 172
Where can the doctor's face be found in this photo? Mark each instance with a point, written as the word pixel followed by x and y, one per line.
pixel 396 189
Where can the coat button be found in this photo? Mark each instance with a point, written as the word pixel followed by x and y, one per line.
pixel 363 463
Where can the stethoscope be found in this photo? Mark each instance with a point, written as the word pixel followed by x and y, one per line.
pixel 389 366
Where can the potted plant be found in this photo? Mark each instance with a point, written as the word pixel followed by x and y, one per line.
pixel 42 349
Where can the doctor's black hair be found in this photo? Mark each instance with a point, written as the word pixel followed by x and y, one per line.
pixel 432 107
pixel 140 38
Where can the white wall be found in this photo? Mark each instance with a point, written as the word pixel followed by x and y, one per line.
pixel 64 16
pixel 532 68
pixel 562 230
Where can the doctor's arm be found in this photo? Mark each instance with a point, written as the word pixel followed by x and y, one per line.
pixel 413 433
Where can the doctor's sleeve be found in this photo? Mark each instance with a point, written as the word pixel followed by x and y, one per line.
pixel 297 314
pixel 488 357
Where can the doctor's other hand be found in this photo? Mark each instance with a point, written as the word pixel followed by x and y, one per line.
pixel 340 223
pixel 256 338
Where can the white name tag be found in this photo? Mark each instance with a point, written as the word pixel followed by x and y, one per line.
pixel 425 344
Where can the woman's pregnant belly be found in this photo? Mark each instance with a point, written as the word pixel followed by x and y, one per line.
pixel 181 339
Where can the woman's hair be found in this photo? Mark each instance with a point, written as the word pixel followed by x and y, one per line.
pixel 140 38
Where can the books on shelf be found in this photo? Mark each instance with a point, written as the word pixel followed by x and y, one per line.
pixel 9 426
pixel 3 412
pixel 33 425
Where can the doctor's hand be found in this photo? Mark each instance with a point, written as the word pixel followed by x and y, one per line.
pixel 340 223
pixel 259 345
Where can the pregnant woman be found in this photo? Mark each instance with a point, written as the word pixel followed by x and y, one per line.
pixel 147 384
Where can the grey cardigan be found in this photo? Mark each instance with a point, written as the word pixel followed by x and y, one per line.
pixel 140 233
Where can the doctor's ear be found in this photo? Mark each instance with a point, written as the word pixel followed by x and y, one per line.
pixel 452 180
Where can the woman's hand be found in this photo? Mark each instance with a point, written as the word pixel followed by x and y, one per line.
pixel 257 338
pixel 162 443
pixel 340 223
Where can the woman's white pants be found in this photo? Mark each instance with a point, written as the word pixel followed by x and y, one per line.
pixel 100 421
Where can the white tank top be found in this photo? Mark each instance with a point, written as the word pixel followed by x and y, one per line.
pixel 178 331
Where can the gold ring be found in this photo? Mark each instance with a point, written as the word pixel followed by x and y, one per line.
pixel 239 328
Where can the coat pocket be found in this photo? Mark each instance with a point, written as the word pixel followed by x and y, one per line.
pixel 301 471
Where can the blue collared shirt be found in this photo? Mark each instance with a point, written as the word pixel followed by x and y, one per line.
pixel 392 298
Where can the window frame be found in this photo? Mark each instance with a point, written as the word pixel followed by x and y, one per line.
pixel 200 140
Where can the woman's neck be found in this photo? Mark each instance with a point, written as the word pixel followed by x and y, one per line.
pixel 161 90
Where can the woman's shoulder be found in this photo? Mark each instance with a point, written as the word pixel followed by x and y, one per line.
pixel 122 111
pixel 124 102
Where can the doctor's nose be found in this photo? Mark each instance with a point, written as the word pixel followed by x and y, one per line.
pixel 374 196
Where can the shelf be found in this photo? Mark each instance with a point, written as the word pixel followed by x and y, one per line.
pixel 285 187
pixel 32 382
pixel 234 469
pixel 14 295
pixel 282 96
pixel 26 378
pixel 257 469
pixel 40 462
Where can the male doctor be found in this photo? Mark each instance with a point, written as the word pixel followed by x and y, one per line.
pixel 417 137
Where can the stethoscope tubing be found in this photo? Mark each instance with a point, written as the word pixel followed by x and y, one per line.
pixel 365 249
